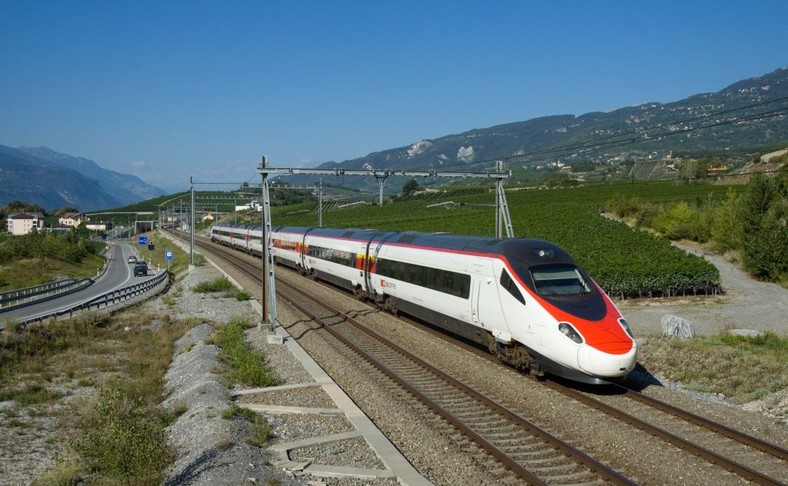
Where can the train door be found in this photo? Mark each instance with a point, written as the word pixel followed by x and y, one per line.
pixel 373 249
pixel 486 302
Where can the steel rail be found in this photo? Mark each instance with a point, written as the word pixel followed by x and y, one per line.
pixel 494 451
pixel 601 469
pixel 597 467
pixel 706 454
pixel 741 437
pixel 703 422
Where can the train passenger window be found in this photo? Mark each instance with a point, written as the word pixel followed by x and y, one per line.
pixel 511 287
pixel 448 282
pixel 332 255
pixel 558 280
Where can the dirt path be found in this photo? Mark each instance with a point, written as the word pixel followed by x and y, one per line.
pixel 747 304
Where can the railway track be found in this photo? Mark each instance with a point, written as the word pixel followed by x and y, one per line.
pixel 520 446
pixel 749 457
pixel 528 451
pixel 766 463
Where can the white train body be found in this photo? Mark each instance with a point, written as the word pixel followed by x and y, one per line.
pixel 526 299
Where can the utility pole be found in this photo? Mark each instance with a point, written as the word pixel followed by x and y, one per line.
pixel 320 204
pixel 268 279
pixel 191 241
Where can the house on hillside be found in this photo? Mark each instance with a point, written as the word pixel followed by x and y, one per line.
pixel 207 217
pixel 71 219
pixel 23 223
pixel 99 226
pixel 251 206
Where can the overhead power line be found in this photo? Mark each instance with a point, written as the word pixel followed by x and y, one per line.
pixel 650 133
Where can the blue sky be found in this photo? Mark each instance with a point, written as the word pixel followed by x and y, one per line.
pixel 171 89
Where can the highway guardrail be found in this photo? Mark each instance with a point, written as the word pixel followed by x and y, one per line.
pixel 109 299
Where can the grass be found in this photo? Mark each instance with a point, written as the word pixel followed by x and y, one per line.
pixel 117 435
pixel 221 284
pixel 741 368
pixel 246 366
pixel 34 394
pixel 157 257
pixel 261 430
pixel 123 438
pixel 35 271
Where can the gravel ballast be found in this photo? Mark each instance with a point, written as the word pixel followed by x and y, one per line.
pixel 211 449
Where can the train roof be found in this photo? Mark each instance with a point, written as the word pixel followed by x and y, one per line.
pixel 526 250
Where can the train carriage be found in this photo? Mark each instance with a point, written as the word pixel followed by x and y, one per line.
pixel 337 256
pixel 289 248
pixel 526 300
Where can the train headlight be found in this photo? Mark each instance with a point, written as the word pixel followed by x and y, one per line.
pixel 570 332
pixel 625 325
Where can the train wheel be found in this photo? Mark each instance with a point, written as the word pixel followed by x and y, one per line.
pixel 388 305
pixel 492 345
pixel 359 293
pixel 536 370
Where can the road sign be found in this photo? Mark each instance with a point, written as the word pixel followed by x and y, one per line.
pixel 143 240
pixel 168 255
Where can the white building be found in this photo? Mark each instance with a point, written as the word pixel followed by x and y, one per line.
pixel 96 226
pixel 252 206
pixel 71 219
pixel 23 223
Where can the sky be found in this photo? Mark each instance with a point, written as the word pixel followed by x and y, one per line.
pixel 168 90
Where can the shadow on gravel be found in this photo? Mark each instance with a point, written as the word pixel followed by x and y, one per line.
pixel 638 380
pixel 193 471
pixel 289 328
pixel 641 378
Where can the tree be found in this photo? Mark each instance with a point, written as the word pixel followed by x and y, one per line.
pixel 763 211
pixel 726 224
pixel 23 207
pixel 410 187
pixel 692 169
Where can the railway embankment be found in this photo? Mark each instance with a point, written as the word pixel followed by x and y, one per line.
pixel 213 449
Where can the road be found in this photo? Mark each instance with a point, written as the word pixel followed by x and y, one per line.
pixel 118 275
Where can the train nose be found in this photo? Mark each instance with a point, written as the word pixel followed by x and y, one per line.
pixel 599 363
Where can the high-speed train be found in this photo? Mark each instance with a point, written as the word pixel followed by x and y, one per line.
pixel 527 300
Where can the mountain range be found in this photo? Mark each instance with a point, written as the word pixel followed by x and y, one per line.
pixel 746 116
pixel 52 180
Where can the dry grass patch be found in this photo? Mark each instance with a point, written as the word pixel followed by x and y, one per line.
pixel 115 429
pixel 741 368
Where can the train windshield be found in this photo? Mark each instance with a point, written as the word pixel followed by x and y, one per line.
pixel 558 280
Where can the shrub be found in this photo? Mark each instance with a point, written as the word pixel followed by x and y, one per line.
pixel 763 211
pixel 219 284
pixel 123 439
pixel 247 366
pixel 726 230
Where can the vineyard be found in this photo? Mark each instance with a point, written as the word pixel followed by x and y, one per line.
pixel 627 263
